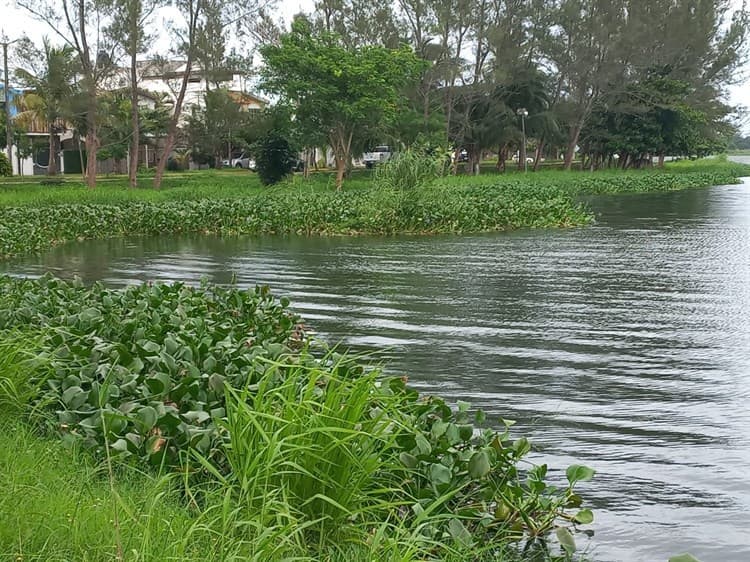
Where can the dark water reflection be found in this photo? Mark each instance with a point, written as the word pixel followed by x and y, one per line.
pixel 625 346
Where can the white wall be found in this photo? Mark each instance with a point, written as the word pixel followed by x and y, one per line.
pixel 27 165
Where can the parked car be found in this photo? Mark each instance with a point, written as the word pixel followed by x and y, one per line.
pixel 377 155
pixel 241 160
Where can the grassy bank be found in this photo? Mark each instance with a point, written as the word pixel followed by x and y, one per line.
pixel 173 423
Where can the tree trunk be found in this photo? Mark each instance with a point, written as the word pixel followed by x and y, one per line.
pixel 341 142
pixel 91 148
pixel 340 171
pixel 52 162
pixel 661 159
pixel 169 142
pixel 175 120
pixel 92 141
pixel 570 152
pixel 538 155
pixel 134 122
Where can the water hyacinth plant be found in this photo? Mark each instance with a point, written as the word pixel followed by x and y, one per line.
pixel 222 386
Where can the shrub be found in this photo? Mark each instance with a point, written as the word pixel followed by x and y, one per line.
pixel 274 158
pixel 412 168
pixel 6 169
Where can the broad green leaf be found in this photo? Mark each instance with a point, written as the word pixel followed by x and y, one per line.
pixel 74 397
pixel 459 532
pixel 409 461
pixel 579 473
pixel 585 516
pixel 479 464
pixel 196 416
pixel 158 383
pixel 440 474
pixel 147 418
pixel 423 445
pixel 566 540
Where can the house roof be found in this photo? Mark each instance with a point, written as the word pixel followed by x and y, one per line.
pixel 245 97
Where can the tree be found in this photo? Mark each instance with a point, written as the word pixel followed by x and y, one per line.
pixel 80 24
pixel 128 21
pixel 115 128
pixel 51 92
pixel 337 89
pixel 211 129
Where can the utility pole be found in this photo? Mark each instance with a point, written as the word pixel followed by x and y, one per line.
pixel 6 91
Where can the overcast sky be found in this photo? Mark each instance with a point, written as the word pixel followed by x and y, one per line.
pixel 15 22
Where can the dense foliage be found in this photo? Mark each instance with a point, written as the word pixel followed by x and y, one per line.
pixel 5 167
pixel 274 157
pixel 224 383
pixel 412 168
pixel 354 88
pixel 447 205
pixel 29 229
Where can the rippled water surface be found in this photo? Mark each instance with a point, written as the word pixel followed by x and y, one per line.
pixel 625 346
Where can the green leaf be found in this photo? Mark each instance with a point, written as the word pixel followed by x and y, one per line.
pixel 574 500
pixel 90 315
pixel 74 397
pixel 216 382
pixel 150 347
pixel 158 383
pixel 423 445
pixel 438 429
pixel 479 464
pixel 459 532
pixel 147 418
pixel 466 432
pixel 120 445
pixel 579 473
pixel 566 540
pixel 440 474
pixel 197 416
pixel 684 558
pixel 409 461
pixel 585 516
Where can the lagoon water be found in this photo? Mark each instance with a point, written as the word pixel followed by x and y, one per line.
pixel 624 346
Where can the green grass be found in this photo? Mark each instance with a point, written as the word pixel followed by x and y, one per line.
pixel 187 186
pixel 57 504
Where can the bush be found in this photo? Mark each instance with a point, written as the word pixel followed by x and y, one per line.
pixel 274 158
pixel 412 168
pixel 6 169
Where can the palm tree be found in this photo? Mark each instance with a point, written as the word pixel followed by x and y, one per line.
pixel 528 87
pixel 51 91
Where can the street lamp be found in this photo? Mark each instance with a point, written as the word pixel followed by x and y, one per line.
pixel 8 125
pixel 521 111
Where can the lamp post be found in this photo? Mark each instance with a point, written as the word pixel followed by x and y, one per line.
pixel 522 153
pixel 6 90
